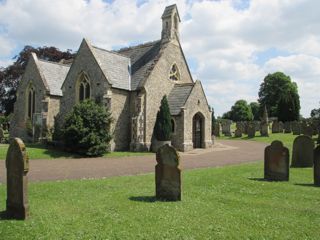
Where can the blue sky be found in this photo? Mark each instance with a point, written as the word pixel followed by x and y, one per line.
pixel 230 45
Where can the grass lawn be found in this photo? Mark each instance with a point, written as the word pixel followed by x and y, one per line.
pixel 218 203
pixel 38 151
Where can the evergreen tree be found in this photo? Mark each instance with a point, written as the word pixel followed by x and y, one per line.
pixel 163 125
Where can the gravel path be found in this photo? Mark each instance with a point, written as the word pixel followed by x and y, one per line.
pixel 225 152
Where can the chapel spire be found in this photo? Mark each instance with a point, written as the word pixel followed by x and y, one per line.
pixel 170 23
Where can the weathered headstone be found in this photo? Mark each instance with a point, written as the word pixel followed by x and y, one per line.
pixel 264 130
pixel 168 174
pixel 276 162
pixel 296 130
pixel 251 130
pixel 302 152
pixel 287 127
pixel 238 133
pixel 316 167
pixel 281 126
pixel 257 125
pixel 17 164
pixel 216 130
pixel 275 127
pixel 226 127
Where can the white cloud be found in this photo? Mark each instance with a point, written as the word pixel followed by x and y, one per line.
pixel 221 39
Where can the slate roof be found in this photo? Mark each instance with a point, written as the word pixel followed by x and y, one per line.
pixel 115 66
pixel 178 97
pixel 54 74
pixel 143 58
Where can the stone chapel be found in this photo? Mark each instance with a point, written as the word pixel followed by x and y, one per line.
pixel 130 82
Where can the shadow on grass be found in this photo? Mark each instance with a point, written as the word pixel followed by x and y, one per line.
pixel 5 217
pixel 259 179
pixel 52 152
pixel 148 199
pixel 306 185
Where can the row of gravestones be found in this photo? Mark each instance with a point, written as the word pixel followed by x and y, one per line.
pixel 276 159
pixel 167 170
pixel 297 127
pixel 242 128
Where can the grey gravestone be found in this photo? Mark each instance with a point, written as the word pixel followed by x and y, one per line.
pixel 275 127
pixel 226 127
pixel 276 162
pixel 316 167
pixel 168 174
pixel 238 133
pixel 257 125
pixel 17 164
pixel 281 126
pixel 216 130
pixel 251 130
pixel 302 152
pixel 296 130
pixel 264 130
pixel 287 127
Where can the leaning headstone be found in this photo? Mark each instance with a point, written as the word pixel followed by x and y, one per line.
pixel 276 162
pixel 251 130
pixel 316 167
pixel 168 174
pixel 17 164
pixel 287 127
pixel 302 152
pixel 275 127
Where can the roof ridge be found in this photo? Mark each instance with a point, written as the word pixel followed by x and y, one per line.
pixel 139 45
pixel 57 63
pixel 110 51
pixel 184 84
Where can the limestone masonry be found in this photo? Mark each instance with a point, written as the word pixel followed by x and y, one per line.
pixel 130 82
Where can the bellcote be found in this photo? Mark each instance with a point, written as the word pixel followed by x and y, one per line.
pixel 170 23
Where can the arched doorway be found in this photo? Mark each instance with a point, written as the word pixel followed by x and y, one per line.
pixel 197 130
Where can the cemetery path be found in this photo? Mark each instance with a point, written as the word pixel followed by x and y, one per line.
pixel 225 152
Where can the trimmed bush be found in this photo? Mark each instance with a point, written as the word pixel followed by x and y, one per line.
pixel 163 128
pixel 87 129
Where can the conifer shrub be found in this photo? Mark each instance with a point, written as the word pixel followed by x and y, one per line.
pixel 87 129
pixel 163 126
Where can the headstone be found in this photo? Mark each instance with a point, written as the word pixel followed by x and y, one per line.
pixel 257 125
pixel 226 127
pixel 276 162
pixel 245 127
pixel 316 167
pixel 287 127
pixel 238 133
pixel 251 130
pixel 264 130
pixel 216 130
pixel 275 127
pixel 302 152
pixel 168 174
pixel 1 135
pixel 281 127
pixel 17 164
pixel 296 130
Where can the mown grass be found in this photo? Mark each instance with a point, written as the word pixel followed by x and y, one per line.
pixel 219 203
pixel 38 151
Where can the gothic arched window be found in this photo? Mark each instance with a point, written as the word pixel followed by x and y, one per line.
pixel 84 88
pixel 31 102
pixel 173 126
pixel 174 73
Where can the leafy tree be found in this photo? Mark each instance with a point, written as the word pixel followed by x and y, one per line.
pixel 276 87
pixel 287 108
pixel 163 126
pixel 227 115
pixel 241 111
pixel 11 75
pixel 315 113
pixel 255 106
pixel 87 129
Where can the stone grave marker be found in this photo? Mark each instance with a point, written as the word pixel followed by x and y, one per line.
pixel 316 167
pixel 275 127
pixel 226 127
pixel 264 130
pixel 238 133
pixel 281 127
pixel 17 164
pixel 216 131
pixel 276 162
pixel 302 152
pixel 287 127
pixel 251 130
pixel 296 130
pixel 168 174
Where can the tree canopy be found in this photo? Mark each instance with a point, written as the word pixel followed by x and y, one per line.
pixel 240 111
pixel 11 75
pixel 255 108
pixel 281 97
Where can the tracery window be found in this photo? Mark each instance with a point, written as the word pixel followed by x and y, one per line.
pixel 174 73
pixel 84 88
pixel 31 102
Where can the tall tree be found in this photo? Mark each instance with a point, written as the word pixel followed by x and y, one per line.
pixel 240 111
pixel 276 87
pixel 255 106
pixel 163 127
pixel 11 75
